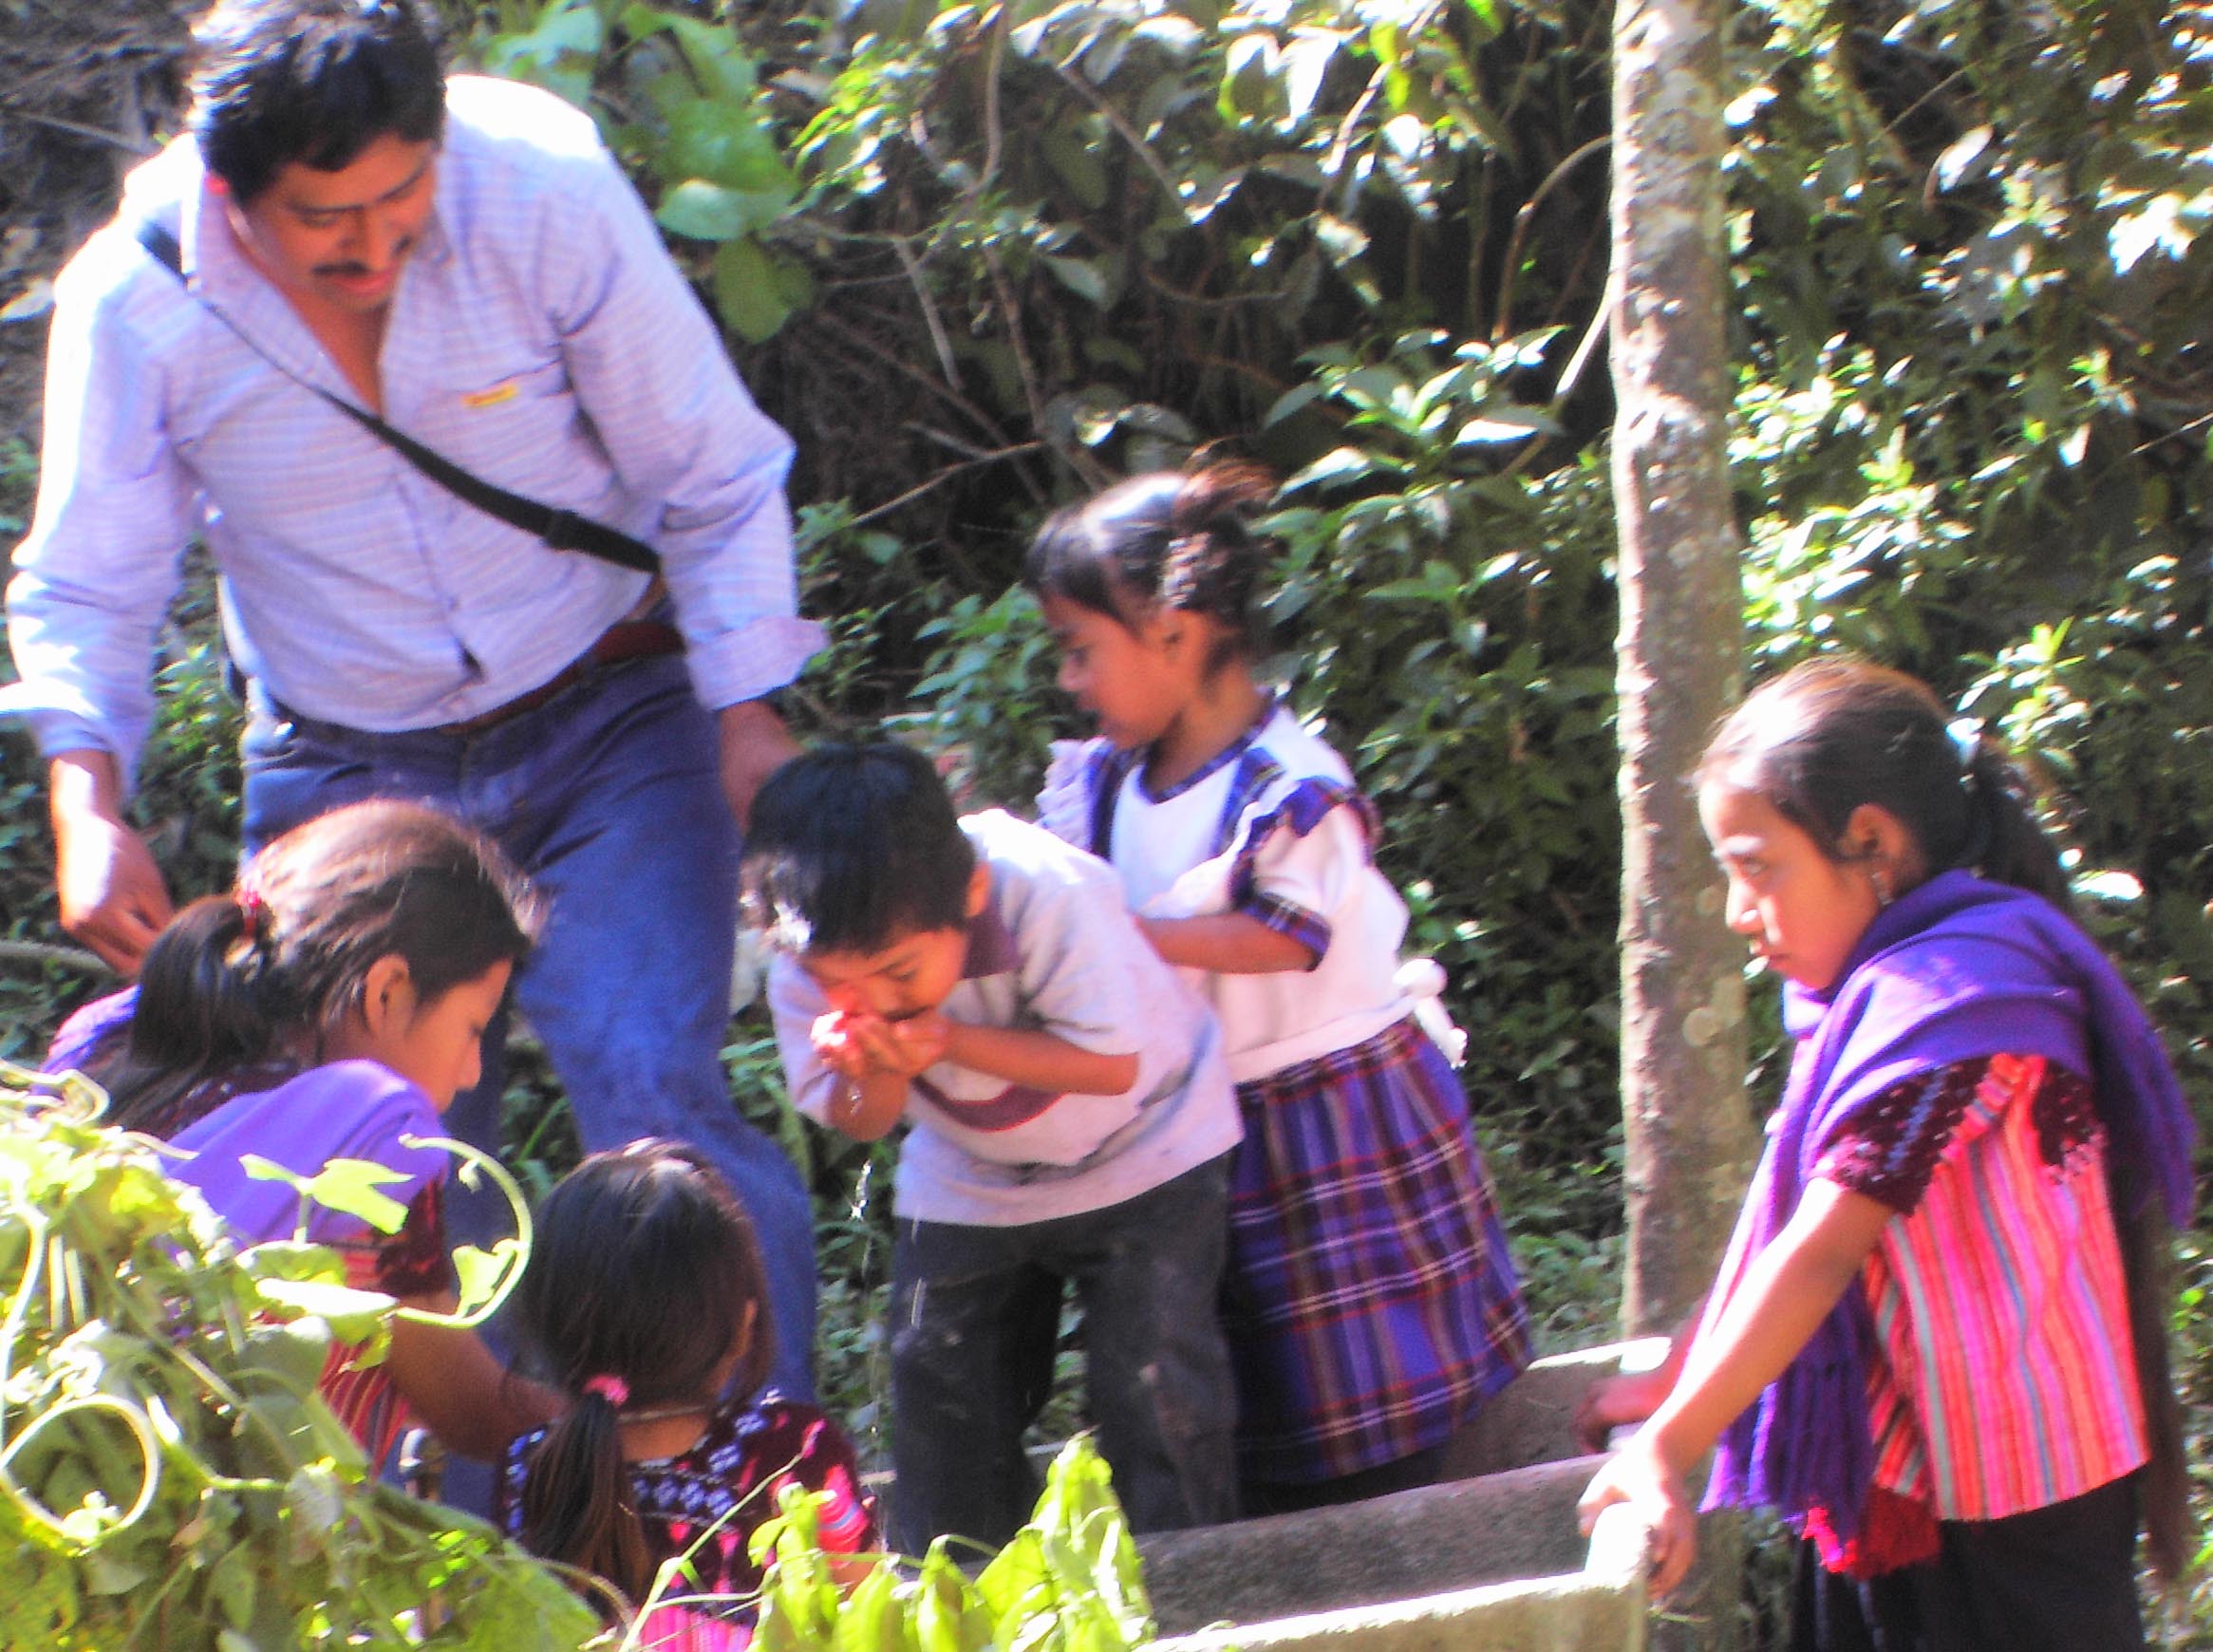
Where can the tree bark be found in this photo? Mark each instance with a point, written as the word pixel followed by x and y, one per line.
pixel 1688 1130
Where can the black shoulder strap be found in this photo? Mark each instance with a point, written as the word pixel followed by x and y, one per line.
pixel 562 530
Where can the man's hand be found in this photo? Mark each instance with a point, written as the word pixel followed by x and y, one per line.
pixel 755 744
pixel 113 898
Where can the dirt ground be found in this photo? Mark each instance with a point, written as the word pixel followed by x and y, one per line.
pixel 86 89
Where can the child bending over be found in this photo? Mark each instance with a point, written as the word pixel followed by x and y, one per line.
pixel 1068 1117
pixel 332 1005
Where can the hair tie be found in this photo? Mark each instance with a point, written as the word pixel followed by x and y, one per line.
pixel 1182 569
pixel 610 1388
pixel 252 910
pixel 1967 735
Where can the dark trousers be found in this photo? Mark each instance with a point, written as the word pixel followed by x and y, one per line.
pixel 975 1318
pixel 2061 1578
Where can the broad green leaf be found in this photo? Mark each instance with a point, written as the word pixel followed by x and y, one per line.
pixel 725 68
pixel 725 144
pixel 1082 277
pixel 749 290
pixel 354 1315
pixel 710 211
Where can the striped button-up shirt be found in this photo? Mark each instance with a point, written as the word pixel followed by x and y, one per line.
pixel 539 336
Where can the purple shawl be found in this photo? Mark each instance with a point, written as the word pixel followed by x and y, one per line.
pixel 1957 970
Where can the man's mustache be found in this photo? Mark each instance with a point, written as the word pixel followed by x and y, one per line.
pixel 349 271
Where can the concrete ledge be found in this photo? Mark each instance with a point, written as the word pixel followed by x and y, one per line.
pixel 1600 1608
pixel 1489 1561
pixel 1533 1419
pixel 1433 1541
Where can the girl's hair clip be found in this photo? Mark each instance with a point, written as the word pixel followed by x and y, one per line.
pixel 610 1388
pixel 253 912
pixel 1966 734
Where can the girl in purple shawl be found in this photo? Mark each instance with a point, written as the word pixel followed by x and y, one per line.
pixel 332 1005
pixel 1935 1345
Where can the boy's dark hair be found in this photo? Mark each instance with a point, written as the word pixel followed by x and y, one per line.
pixel 642 1267
pixel 852 847
pixel 237 978
pixel 314 82
pixel 1831 735
pixel 1180 538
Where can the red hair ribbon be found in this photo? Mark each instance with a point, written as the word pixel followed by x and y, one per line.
pixel 252 910
pixel 609 1388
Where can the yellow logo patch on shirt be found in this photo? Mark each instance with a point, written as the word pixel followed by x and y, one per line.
pixel 491 398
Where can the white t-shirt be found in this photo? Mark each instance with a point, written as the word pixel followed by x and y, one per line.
pixel 1274 828
pixel 1055 950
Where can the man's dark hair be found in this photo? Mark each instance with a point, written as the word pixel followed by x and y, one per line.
pixel 314 82
pixel 852 847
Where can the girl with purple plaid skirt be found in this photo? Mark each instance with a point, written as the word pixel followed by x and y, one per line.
pixel 1369 1302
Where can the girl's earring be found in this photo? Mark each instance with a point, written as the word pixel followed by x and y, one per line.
pixel 1880 877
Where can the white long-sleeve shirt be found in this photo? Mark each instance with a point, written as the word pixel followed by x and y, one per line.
pixel 539 336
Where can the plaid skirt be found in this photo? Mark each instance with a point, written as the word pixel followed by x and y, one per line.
pixel 1370 1305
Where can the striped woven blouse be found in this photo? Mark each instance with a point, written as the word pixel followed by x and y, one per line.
pixel 2006 1378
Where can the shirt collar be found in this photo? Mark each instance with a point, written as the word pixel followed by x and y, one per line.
pixel 1228 755
pixel 991 947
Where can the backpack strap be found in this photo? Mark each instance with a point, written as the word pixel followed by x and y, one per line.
pixel 560 528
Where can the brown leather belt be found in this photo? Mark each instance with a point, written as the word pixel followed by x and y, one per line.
pixel 625 640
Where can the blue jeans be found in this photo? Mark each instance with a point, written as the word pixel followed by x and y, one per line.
pixel 610 796
pixel 975 1317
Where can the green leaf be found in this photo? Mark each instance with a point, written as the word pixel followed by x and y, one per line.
pixel 749 291
pixel 725 68
pixel 293 1259
pixel 1080 276
pixel 354 1315
pixel 350 1187
pixel 709 211
pixel 480 1272
pixel 725 144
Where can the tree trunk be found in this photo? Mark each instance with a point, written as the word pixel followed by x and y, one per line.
pixel 1689 1134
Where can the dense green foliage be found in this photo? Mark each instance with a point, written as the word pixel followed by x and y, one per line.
pixel 979 258
pixel 168 1474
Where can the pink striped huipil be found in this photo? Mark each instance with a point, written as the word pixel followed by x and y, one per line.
pixel 2005 1376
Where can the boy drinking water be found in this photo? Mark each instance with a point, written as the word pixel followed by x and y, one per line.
pixel 1069 1117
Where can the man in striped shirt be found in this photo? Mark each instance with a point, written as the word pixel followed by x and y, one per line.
pixel 462 260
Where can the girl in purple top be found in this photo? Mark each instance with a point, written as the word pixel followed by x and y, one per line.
pixel 332 1006
pixel 1956 1219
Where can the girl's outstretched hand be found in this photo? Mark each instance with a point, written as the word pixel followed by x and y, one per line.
pixel 1638 1476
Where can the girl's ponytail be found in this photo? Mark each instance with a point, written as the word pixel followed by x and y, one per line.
pixel 1831 735
pixel 272 970
pixel 643 1288
pixel 205 1005
pixel 1182 539
pixel 575 1504
pixel 2004 842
